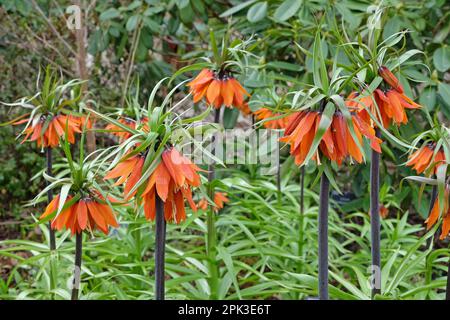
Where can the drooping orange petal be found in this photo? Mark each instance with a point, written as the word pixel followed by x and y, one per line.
pixel 227 92
pixel 82 214
pixel 398 111
pixel 51 207
pixel 134 178
pixel 168 211
pixel 63 218
pixel 95 213
pixel 187 193
pixel 353 149
pixel 200 92
pixel 204 76
pixel 390 78
pixel 162 181
pixel 179 204
pixel 213 91
pixel 424 160
pixel 434 214
pixel 150 205
pixel 122 170
pixel 172 160
pixel 219 199
pixel 108 215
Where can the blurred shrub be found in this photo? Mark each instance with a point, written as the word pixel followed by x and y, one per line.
pixel 19 162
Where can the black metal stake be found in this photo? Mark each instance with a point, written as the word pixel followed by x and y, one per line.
pixel 50 198
pixel 160 240
pixel 375 220
pixel 323 237
pixel 77 270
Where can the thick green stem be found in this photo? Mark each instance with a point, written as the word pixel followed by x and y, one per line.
pixel 51 232
pixel 433 198
pixel 301 220
pixel 279 178
pixel 212 254
pixel 211 241
pixel 323 237
pixel 77 270
pixel 375 220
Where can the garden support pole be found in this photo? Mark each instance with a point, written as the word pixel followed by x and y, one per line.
pixel 50 198
pixel 77 269
pixel 211 241
pixel 323 237
pixel 375 220
pixel 160 240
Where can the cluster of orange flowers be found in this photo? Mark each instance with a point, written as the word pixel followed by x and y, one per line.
pixel 49 136
pixel 386 105
pixel 88 213
pixel 436 210
pixel 279 123
pixel 220 199
pixel 172 181
pixel 122 134
pixel 336 144
pixel 219 88
pixel 423 158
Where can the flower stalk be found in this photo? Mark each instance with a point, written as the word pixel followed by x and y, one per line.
pixel 301 218
pixel 77 269
pixel 278 176
pixel 375 219
pixel 323 237
pixel 211 241
pixel 48 155
pixel 433 199
pixel 160 241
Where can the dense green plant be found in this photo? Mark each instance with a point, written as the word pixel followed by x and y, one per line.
pixel 290 55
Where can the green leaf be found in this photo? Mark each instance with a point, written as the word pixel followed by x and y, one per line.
pixel 182 3
pixel 428 98
pixel 237 8
pixel 287 9
pixel 444 91
pixel 284 66
pixel 320 74
pixel 230 116
pixel 63 196
pixel 109 14
pixel 441 59
pixel 228 260
pixel 257 12
pixel 132 23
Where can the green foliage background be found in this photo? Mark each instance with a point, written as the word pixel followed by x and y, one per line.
pixel 259 259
